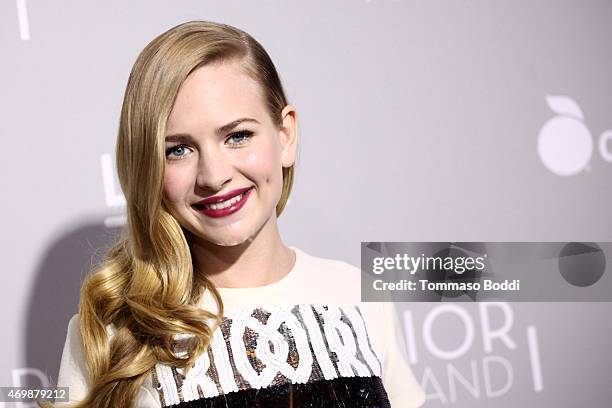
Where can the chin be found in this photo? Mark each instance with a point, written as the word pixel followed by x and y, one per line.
pixel 237 234
pixel 229 241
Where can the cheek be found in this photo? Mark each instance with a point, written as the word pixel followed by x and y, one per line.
pixel 264 162
pixel 175 185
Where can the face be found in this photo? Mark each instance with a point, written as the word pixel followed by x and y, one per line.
pixel 224 156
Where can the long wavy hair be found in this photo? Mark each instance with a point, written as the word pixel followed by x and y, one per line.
pixel 147 287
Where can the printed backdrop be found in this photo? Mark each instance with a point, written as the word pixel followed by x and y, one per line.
pixel 419 121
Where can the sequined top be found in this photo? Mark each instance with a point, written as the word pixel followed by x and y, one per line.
pixel 304 341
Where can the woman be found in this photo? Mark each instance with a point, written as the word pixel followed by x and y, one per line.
pixel 200 303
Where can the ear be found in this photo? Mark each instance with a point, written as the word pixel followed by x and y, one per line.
pixel 289 136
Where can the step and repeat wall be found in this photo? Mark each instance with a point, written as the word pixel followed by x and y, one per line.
pixel 419 121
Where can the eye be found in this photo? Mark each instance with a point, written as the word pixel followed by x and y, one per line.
pixel 240 137
pixel 177 152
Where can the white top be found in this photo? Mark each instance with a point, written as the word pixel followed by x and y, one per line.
pixel 308 327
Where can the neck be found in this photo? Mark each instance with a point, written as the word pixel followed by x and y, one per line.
pixel 259 261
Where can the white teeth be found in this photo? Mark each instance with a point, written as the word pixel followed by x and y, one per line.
pixel 224 204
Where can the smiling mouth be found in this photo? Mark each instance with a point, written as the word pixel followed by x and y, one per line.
pixel 223 204
pixel 223 208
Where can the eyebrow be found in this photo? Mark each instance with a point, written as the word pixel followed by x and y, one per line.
pixel 219 131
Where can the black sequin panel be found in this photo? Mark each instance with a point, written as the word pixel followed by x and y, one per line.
pixel 345 392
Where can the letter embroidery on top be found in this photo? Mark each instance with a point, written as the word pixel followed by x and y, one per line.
pixel 293 351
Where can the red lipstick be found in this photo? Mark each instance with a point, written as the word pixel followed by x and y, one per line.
pixel 204 206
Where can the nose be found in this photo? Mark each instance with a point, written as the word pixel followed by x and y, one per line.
pixel 214 170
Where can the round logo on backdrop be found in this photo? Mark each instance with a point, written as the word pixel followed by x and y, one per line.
pixel 565 144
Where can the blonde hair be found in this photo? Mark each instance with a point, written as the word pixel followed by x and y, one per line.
pixel 147 286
